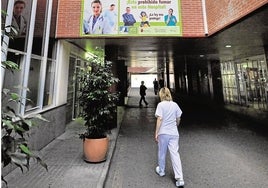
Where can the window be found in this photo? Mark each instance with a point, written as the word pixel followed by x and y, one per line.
pixel 229 82
pixel 34 51
pixel 39 28
pixel 245 82
pixel 34 82
pixel 49 83
pixel 21 19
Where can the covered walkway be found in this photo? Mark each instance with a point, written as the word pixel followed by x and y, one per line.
pixel 217 150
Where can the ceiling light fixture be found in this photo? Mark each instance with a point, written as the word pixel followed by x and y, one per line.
pixel 228 46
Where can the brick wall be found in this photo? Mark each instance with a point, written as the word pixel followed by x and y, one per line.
pixel 69 13
pixel 221 13
pixel 192 18
pixel 68 22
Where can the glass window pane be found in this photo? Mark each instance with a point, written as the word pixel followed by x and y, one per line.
pixel 33 84
pixel 4 5
pixel 12 80
pixel 39 27
pixel 52 41
pixel 52 49
pixel 3 8
pixel 20 22
pixel 49 83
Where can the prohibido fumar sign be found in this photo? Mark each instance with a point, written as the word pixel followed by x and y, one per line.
pixel 131 18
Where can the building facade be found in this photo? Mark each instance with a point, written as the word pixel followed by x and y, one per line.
pixel 48 60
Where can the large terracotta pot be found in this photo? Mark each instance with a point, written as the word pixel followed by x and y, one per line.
pixel 95 150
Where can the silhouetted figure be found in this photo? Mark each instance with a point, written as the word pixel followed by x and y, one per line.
pixel 161 83
pixel 143 94
pixel 156 86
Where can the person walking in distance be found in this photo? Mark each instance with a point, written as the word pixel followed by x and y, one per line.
pixel 156 87
pixel 143 94
pixel 161 83
pixel 168 115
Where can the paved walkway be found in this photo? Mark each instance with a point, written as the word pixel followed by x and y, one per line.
pixel 64 157
pixel 217 150
pixel 66 168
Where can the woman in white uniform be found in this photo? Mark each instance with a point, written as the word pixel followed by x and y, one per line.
pixel 168 115
pixel 97 23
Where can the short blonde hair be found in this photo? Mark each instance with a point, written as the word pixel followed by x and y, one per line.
pixel 165 94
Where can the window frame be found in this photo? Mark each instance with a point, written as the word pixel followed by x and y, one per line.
pixel 25 61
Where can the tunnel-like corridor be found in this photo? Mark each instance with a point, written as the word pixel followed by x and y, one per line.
pixel 217 148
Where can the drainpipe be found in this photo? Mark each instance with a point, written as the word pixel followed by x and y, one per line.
pixel 205 17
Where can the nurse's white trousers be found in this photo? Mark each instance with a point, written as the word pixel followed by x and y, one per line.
pixel 171 143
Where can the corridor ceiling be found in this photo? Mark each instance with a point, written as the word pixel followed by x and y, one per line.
pixel 246 37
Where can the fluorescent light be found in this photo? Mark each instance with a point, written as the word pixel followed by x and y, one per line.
pixel 228 46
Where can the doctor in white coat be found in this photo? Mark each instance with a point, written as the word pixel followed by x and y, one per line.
pixel 97 23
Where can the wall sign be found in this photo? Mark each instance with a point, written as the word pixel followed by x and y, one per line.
pixel 131 18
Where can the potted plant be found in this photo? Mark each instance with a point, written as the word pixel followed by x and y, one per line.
pixel 98 104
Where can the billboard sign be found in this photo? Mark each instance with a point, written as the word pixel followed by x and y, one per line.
pixel 131 18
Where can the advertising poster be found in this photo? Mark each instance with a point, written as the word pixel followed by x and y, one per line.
pixel 131 18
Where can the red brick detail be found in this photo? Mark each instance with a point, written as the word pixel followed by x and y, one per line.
pixel 192 18
pixel 68 22
pixel 221 13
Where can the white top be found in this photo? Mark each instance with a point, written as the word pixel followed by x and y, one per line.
pixel 101 26
pixel 168 111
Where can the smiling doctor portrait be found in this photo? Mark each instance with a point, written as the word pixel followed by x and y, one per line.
pixel 96 23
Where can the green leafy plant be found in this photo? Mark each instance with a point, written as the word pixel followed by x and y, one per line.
pixel 14 127
pixel 7 30
pixel 97 101
pixel 15 131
